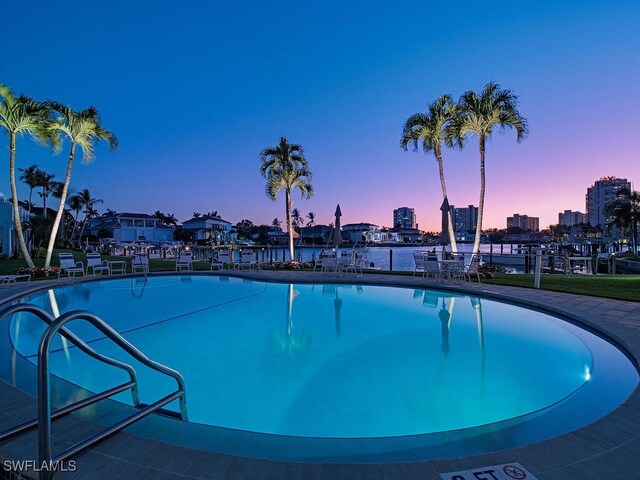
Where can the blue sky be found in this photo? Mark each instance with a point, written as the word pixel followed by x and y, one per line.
pixel 195 90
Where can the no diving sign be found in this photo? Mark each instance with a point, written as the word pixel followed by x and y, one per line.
pixel 507 471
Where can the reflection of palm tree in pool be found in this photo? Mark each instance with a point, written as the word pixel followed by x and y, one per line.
pixel 291 345
pixel 477 306
pixel 337 307
pixel 445 315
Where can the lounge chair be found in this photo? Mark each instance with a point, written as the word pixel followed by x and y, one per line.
pixel 69 266
pixel 222 259
pixel 432 266
pixel 96 264
pixel 140 262
pixel 330 264
pixel 10 279
pixel 248 259
pixel 355 263
pixel 184 261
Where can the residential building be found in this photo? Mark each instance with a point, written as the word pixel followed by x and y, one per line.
pixel 400 235
pixel 8 239
pixel 404 217
pixel 601 193
pixel 318 234
pixel 208 228
pixel 523 222
pixel 464 219
pixel 129 227
pixel 570 218
pixel 360 232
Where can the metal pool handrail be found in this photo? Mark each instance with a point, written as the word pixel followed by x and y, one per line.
pixel 45 415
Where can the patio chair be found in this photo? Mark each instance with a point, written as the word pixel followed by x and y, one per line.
pixel 140 263
pixel 69 266
pixel 418 259
pixel 248 259
pixel 97 265
pixel 472 268
pixel 355 263
pixel 329 264
pixel 324 254
pixel 432 266
pixel 223 258
pixel 184 261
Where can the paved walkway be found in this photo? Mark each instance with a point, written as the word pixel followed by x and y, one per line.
pixel 606 449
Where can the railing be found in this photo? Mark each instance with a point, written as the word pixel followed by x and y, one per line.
pixel 45 415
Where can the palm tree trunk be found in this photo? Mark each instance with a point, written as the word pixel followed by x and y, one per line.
pixel 476 243
pixel 289 225
pixel 63 199
pixel 16 206
pixel 452 235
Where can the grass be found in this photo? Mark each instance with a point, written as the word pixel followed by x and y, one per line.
pixel 620 287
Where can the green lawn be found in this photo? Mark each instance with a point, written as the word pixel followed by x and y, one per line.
pixel 622 287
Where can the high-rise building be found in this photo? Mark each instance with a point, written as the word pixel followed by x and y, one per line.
pixel 524 222
pixel 569 218
pixel 601 193
pixel 404 217
pixel 464 219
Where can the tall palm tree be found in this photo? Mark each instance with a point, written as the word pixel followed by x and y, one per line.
pixel 285 168
pixel 30 177
pixel 312 221
pixel 83 130
pixel 429 130
pixel 18 115
pixel 88 203
pixel 624 213
pixel 276 225
pixel 478 115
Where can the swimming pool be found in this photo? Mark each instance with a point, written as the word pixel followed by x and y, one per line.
pixel 352 371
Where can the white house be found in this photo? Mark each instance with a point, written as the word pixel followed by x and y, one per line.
pixel 8 239
pixel 207 228
pixel 130 227
pixel 361 232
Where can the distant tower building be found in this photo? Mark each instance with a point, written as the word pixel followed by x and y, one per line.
pixel 524 222
pixel 601 193
pixel 570 218
pixel 464 219
pixel 404 217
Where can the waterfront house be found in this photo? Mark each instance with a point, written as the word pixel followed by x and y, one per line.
pixel 361 232
pixel 209 228
pixel 130 227
pixel 8 239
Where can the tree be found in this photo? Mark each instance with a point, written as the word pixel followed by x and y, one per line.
pixel 83 129
pixel 244 228
pixel 45 181
pixel 18 115
pixel 276 225
pixel 110 211
pixel 169 219
pixel 624 213
pixel 297 220
pixel 197 214
pixel 285 168
pixel 429 130
pixel 478 115
pixel 30 177
pixel 75 205
pixel 88 203
pixel 312 219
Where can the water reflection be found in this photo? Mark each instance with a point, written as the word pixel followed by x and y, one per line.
pixel 291 345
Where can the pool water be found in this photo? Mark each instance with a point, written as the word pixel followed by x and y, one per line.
pixel 337 361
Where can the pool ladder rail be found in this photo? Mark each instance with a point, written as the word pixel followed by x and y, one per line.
pixel 45 415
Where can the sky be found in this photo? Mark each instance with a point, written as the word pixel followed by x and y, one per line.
pixel 195 90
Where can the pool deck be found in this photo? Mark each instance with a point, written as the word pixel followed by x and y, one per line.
pixel 607 449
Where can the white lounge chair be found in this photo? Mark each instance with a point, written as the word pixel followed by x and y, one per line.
pixel 355 263
pixel 97 265
pixel 248 259
pixel 329 265
pixel 432 266
pixel 184 261
pixel 140 263
pixel 472 268
pixel 221 259
pixel 69 266
pixel 11 279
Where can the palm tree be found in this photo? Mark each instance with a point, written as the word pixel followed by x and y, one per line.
pixel 297 220
pixel 44 181
pixel 429 129
pixel 75 205
pixel 624 213
pixel 83 129
pixel 110 211
pixel 21 114
pixel 478 115
pixel 312 221
pixel 88 203
pixel 276 225
pixel 30 177
pixel 285 167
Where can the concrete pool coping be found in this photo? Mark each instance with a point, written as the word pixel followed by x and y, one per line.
pixel 607 448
